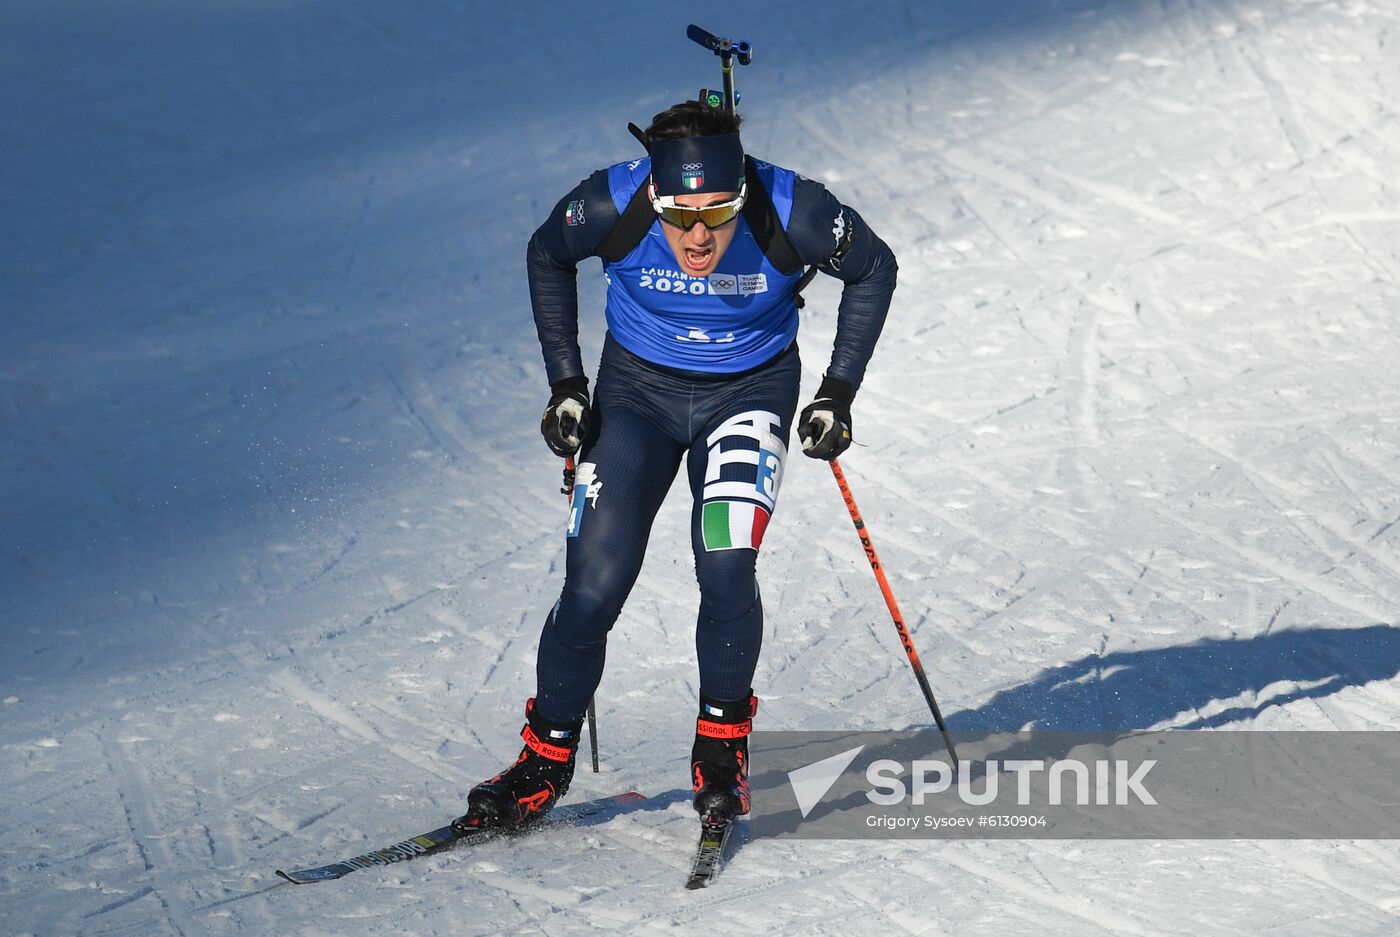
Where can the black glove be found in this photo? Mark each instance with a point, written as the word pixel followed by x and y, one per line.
pixel 565 421
pixel 825 424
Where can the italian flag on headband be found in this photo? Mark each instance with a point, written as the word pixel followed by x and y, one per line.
pixel 733 525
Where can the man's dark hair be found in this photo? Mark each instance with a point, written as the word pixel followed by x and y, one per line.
pixel 692 119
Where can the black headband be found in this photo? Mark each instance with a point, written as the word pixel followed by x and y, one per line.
pixel 698 164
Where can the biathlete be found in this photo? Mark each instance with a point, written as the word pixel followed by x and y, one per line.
pixel 703 250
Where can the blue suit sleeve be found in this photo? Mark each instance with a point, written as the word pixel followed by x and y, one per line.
pixel 818 224
pixel 572 233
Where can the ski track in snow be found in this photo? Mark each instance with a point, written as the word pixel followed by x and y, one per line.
pixel 282 535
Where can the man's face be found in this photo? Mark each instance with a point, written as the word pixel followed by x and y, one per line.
pixel 698 249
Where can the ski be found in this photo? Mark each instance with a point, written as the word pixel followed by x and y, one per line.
pixel 445 837
pixel 709 854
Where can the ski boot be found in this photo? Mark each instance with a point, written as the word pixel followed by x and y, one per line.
pixel 527 790
pixel 719 760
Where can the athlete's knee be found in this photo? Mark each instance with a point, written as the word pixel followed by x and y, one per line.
pixel 573 633
pixel 728 611
pixel 725 600
pixel 586 612
pixel 727 581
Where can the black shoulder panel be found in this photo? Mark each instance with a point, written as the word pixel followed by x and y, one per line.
pixel 634 224
pixel 765 224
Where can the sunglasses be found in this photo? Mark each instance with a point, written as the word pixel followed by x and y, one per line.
pixel 684 217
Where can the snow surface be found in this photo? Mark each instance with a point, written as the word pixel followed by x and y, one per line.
pixel 279 531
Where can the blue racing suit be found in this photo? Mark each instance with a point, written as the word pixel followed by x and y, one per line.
pixel 701 367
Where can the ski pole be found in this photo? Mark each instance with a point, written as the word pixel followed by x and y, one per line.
pixel 592 709
pixel 904 638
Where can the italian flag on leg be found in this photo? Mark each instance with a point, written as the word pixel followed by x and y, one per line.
pixel 733 525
